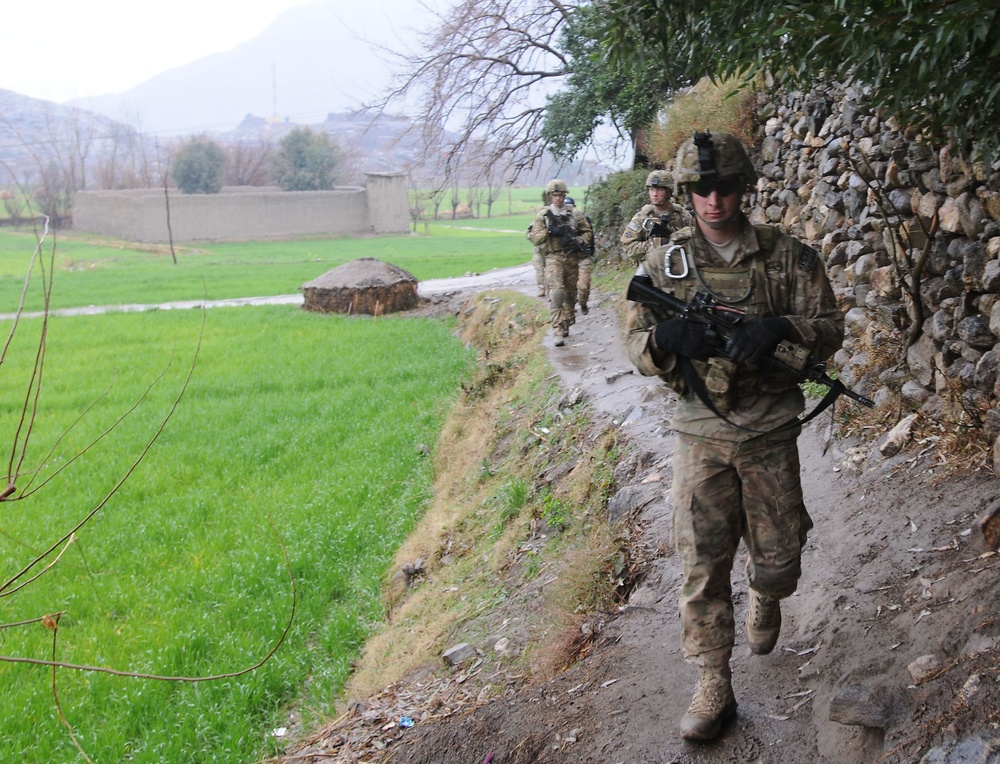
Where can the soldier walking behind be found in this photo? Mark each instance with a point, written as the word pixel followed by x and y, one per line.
pixel 562 234
pixel 585 266
pixel 652 225
pixel 736 476
pixel 537 258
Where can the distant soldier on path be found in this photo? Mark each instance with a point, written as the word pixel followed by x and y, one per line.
pixel 562 235
pixel 585 267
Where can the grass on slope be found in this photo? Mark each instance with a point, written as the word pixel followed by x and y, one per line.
pixel 312 423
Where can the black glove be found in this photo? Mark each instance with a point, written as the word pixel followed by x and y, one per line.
pixel 686 338
pixel 660 229
pixel 756 339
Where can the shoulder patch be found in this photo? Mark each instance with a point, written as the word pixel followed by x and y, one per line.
pixel 808 258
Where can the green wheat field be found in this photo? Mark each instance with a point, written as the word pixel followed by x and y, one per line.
pixel 274 459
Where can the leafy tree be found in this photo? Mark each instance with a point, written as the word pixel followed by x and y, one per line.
pixel 601 90
pixel 934 65
pixel 306 161
pixel 199 166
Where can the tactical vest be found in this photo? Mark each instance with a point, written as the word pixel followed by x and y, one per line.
pixel 568 216
pixel 759 285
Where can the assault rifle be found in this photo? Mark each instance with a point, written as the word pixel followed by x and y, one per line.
pixel 564 232
pixel 724 321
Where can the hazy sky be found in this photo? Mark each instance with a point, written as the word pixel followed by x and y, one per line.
pixel 61 49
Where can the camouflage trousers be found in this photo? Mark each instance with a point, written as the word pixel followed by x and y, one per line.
pixel 724 492
pixel 585 267
pixel 560 278
pixel 538 263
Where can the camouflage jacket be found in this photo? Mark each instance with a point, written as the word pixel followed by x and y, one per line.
pixel 577 237
pixel 635 238
pixel 772 274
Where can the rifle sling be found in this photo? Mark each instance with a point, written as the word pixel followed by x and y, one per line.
pixel 697 385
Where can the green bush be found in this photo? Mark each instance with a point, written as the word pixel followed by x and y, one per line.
pixel 611 203
pixel 198 166
pixel 306 161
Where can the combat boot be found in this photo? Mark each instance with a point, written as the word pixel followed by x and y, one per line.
pixel 763 623
pixel 712 706
pixel 584 309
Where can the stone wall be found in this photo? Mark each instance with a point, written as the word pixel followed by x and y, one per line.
pixel 246 213
pixel 893 217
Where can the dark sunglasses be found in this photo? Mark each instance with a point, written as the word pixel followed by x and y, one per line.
pixel 722 187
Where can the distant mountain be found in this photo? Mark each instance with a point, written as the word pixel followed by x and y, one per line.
pixel 308 67
pixel 34 134
pixel 306 64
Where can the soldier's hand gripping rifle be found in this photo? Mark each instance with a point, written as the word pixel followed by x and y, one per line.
pixel 560 229
pixel 657 228
pixel 724 321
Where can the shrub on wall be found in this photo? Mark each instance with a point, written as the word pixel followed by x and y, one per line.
pixel 199 166
pixel 725 106
pixel 306 161
pixel 611 203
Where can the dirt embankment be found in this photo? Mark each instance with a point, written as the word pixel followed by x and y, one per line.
pixel 890 648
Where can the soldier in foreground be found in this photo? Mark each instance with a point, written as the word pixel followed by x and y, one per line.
pixel 736 461
pixel 561 234
pixel 652 225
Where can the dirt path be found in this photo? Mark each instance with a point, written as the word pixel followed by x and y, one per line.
pixel 892 572
pixel 895 570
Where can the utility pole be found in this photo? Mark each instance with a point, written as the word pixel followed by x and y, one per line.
pixel 274 88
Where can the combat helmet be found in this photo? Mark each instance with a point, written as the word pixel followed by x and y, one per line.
pixel 660 179
pixel 707 157
pixel 556 186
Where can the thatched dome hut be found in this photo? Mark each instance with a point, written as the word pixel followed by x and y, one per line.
pixel 365 285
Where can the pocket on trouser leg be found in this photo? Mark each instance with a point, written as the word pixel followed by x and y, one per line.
pixel 777 523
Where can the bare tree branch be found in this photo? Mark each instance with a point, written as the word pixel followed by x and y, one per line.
pixel 52 622
pixel 480 82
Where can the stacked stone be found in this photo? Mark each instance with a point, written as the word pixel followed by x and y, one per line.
pixel 937 354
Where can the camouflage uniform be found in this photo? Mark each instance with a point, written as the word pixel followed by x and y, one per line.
pixel 537 258
pixel 585 268
pixel 635 239
pixel 538 263
pixel 561 271
pixel 732 483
